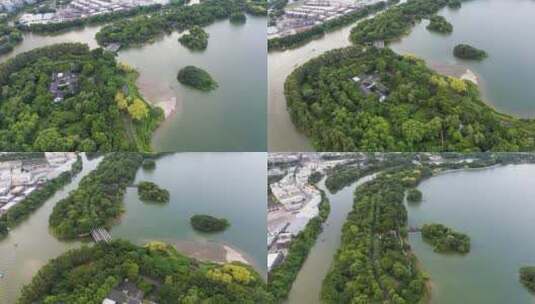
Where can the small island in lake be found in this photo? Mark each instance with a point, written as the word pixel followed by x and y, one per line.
pixel 444 239
pixel 465 51
pixel 414 195
pixel 207 223
pixel 196 39
pixel 151 192
pixel 197 78
pixel 440 25
pixel 238 18
pixel 527 277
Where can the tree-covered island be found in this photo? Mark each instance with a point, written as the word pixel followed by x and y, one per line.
pixel 439 24
pixel 155 272
pixel 444 239
pixel 527 277
pixel 196 39
pixel 148 191
pixel 98 199
pixel 465 51
pixel 208 223
pixel 196 78
pixel 66 97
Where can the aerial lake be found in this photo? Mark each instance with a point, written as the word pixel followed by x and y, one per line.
pixel 495 207
pixel 503 28
pixel 230 118
pixel 229 185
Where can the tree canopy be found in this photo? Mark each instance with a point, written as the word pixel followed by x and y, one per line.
pixel 445 239
pixel 197 78
pixel 465 51
pixel 151 192
pixel 88 274
pixel 208 223
pixel 98 107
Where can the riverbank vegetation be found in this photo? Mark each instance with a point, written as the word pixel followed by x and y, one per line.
pixel 66 97
pixel 18 213
pixel 48 28
pixel 444 239
pixel 196 78
pixel 315 177
pixel 318 31
pixel 527 277
pixel 282 277
pixel 207 223
pixel 196 39
pixel 414 195
pixel 445 113
pixel 148 27
pixel 237 18
pixel 9 38
pixel 88 274
pixel 465 51
pixel 374 263
pixel 439 24
pixel 98 199
pixel 149 164
pixel 148 191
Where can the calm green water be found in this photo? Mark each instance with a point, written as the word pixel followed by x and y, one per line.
pixel 231 118
pixel 29 246
pixel 503 28
pixel 495 207
pixel 229 185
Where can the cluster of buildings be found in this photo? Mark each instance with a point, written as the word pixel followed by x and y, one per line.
pixel 371 84
pixel 81 9
pixel 19 178
pixel 297 201
pixel 125 293
pixel 63 84
pixel 298 17
pixel 10 6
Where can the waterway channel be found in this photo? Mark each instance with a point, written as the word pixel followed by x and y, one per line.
pixel 30 245
pixel 307 286
pixel 230 118
pixel 495 207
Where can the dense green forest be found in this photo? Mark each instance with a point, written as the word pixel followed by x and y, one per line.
pixel 98 199
pixel 444 239
pixel 282 277
pixel 439 24
pixel 196 39
pixel 88 274
pixel 422 111
pixel 101 109
pixel 414 195
pixel 465 51
pixel 147 27
pixel 37 198
pixel 196 78
pixel 9 38
pixel 148 191
pixel 374 263
pixel 527 277
pixel 318 31
pixel 208 223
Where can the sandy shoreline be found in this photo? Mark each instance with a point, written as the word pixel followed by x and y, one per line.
pixel 454 70
pixel 211 251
